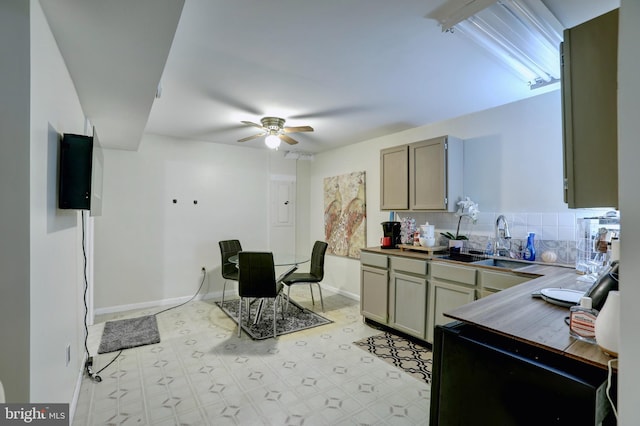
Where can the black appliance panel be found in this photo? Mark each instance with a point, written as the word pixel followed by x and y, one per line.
pixel 74 172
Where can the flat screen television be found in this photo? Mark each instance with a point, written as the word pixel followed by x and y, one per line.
pixel 80 173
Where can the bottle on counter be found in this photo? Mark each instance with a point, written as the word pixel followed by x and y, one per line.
pixel 582 321
pixel 530 249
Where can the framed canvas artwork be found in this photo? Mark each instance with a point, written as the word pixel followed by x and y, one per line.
pixel 345 215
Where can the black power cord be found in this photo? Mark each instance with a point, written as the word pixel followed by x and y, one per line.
pixel 89 363
pixel 88 366
pixel 204 276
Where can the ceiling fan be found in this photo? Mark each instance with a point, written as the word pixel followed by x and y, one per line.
pixel 274 130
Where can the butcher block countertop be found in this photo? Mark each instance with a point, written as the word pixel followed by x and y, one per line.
pixel 515 314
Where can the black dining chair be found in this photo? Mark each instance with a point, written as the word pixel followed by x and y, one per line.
pixel 257 280
pixel 314 276
pixel 229 270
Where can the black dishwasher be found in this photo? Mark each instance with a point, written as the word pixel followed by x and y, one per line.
pixel 481 378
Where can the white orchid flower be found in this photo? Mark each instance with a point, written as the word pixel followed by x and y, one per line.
pixel 468 208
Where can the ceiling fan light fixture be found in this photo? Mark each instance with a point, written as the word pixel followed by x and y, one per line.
pixel 275 132
pixel 272 141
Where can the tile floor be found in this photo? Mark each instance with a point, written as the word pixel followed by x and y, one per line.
pixel 201 373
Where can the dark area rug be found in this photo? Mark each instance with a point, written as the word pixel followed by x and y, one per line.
pixel 295 319
pixel 400 352
pixel 129 333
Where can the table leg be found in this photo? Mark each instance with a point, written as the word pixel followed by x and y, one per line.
pixel 258 312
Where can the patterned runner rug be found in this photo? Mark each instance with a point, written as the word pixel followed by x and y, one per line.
pixel 400 352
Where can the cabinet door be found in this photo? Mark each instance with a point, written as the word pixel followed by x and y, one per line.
pixel 589 103
pixel 408 303
pixel 444 297
pixel 428 175
pixel 491 281
pixel 374 293
pixel 394 178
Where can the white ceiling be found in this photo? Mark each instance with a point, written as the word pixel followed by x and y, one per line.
pixel 351 69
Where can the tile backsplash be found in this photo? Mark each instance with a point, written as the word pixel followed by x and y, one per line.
pixel 555 231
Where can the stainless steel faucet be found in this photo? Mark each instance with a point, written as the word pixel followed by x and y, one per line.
pixel 503 238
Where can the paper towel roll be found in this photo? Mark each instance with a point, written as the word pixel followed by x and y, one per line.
pixel 615 249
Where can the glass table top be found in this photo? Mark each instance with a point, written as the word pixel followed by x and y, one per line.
pixel 282 259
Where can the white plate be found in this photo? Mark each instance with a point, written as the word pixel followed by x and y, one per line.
pixel 561 296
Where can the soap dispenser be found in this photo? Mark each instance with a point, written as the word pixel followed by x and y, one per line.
pixel 530 250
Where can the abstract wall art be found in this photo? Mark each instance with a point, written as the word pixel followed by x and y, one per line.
pixel 345 214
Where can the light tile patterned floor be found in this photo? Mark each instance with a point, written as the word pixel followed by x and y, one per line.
pixel 201 373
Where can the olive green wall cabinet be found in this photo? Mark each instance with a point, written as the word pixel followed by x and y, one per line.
pixel 422 176
pixel 589 104
pixel 394 178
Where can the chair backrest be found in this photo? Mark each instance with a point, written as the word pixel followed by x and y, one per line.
pixel 229 248
pixel 317 260
pixel 256 274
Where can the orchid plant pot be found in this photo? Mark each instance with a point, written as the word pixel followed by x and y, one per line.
pixel 458 244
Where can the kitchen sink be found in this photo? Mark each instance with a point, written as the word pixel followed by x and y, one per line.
pixel 502 263
pixel 462 257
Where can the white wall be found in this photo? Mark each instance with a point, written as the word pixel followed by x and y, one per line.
pixel 149 249
pixel 40 308
pixel 513 162
pixel 56 280
pixel 628 178
pixel 14 192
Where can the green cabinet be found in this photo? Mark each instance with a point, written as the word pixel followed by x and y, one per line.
pixel 490 282
pixel 589 104
pixel 451 286
pixel 411 294
pixel 422 176
pixel 374 284
pixel 408 285
pixel 394 178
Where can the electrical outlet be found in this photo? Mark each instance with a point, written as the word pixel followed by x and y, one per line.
pixel 68 355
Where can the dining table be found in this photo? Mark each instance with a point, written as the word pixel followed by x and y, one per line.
pixel 279 259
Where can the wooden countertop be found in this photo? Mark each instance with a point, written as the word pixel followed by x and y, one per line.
pixel 404 253
pixel 515 314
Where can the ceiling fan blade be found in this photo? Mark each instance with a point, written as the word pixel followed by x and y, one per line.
pixel 335 112
pixel 288 139
pixel 252 137
pixel 233 103
pixel 251 123
pixel 298 129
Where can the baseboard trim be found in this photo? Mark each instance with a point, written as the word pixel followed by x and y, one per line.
pixel 76 392
pixel 154 303
pixel 341 292
pixel 179 300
